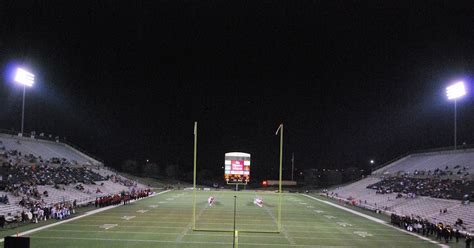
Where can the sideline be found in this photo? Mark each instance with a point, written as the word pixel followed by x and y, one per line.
pixel 377 220
pixel 77 217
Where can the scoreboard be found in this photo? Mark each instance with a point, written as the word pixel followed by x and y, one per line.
pixel 237 167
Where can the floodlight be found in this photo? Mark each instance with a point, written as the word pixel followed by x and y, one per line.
pixel 24 77
pixel 453 92
pixel 456 90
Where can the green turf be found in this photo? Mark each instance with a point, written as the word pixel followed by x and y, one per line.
pixel 168 223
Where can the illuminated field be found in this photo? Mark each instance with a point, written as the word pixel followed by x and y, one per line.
pixel 166 221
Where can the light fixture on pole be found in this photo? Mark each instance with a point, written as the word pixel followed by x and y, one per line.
pixel 455 92
pixel 24 78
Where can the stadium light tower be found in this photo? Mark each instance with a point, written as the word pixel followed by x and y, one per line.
pixel 24 78
pixel 454 92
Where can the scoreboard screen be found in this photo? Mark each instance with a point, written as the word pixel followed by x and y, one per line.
pixel 237 167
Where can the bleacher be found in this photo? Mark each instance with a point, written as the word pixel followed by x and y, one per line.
pixel 430 161
pixel 467 211
pixel 45 151
pixel 402 203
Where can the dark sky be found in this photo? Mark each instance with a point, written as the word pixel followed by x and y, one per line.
pixel 350 80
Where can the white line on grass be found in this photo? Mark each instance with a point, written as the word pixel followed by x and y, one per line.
pixel 148 226
pixel 283 229
pixel 207 234
pixel 190 225
pixel 377 220
pixel 76 218
pixel 193 242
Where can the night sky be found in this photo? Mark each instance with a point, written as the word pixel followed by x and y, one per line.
pixel 350 80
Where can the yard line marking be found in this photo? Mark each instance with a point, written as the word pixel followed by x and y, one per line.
pixel 376 220
pixel 127 217
pixel 79 217
pixel 343 224
pixel 247 235
pixel 363 234
pixel 174 221
pixel 142 211
pixel 358 239
pixel 180 237
pixel 191 242
pixel 177 220
pixel 154 227
pixel 283 229
pixel 108 226
pixel 162 233
pixel 153 206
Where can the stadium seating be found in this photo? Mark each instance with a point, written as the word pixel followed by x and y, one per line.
pixel 413 177
pixel 27 176
pixel 431 161
pixel 359 191
pixel 44 148
pixel 424 207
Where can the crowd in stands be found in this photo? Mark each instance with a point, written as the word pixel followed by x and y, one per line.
pixel 4 199
pixel 457 170
pixel 432 187
pixel 121 180
pixel 21 174
pixel 14 157
pixel 44 172
pixel 426 228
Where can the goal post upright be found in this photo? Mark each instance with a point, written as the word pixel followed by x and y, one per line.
pixel 280 128
pixel 194 176
pixel 245 182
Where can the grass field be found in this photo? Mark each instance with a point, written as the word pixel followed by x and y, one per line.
pixel 165 220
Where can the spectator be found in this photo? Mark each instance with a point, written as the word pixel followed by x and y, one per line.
pixel 2 221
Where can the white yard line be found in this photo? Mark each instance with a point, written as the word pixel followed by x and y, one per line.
pixel 188 228
pixel 219 244
pixel 378 221
pixel 184 232
pixel 283 229
pixel 76 218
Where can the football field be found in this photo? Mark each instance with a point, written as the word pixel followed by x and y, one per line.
pixel 166 220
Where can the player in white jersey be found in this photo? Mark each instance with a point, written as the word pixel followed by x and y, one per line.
pixel 258 201
pixel 211 200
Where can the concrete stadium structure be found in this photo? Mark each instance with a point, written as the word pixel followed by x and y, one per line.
pixel 413 165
